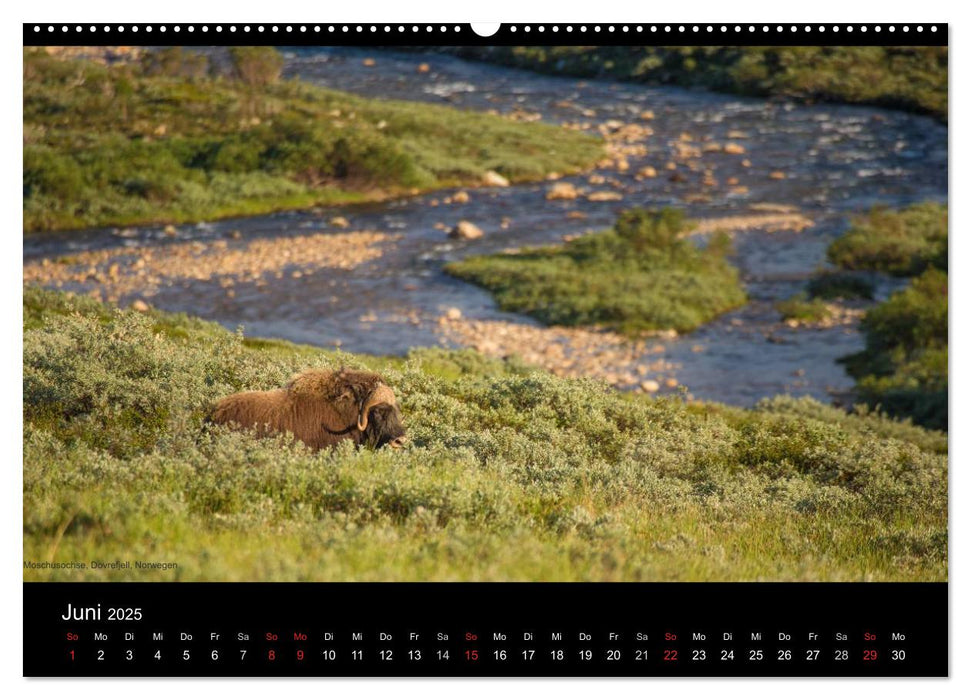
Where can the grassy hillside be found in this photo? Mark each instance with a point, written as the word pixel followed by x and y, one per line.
pixel 641 275
pixel 167 141
pixel 912 78
pixel 512 474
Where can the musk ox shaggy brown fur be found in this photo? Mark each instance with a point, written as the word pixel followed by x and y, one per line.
pixel 320 408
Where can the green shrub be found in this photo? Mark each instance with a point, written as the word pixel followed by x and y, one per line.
pixel 800 308
pixel 903 369
pixel 235 155
pixel 812 307
pixel 47 173
pixel 902 243
pixel 644 231
pixel 257 66
pixel 861 419
pixel 839 285
pixel 174 62
pixel 641 275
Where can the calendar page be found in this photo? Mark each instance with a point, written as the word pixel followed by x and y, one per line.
pixel 432 350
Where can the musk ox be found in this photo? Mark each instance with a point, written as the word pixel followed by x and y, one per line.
pixel 320 408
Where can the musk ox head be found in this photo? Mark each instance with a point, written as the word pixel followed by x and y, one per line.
pixel 366 406
pixel 384 427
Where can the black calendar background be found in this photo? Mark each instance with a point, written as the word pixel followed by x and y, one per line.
pixel 285 625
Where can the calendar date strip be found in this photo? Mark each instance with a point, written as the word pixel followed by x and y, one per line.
pixel 542 629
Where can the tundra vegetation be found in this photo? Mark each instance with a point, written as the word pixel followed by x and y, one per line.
pixel 912 78
pixel 803 307
pixel 641 275
pixel 840 285
pixel 902 243
pixel 510 473
pixel 903 369
pixel 826 286
pixel 174 139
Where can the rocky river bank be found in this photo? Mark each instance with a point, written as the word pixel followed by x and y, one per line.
pixel 111 274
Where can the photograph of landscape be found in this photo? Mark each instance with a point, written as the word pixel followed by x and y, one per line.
pixel 616 313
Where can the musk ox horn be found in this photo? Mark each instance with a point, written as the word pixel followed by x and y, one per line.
pixel 381 394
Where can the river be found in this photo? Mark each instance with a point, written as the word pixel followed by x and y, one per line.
pixel 836 160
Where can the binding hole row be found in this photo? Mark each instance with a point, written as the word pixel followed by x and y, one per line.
pixel 401 29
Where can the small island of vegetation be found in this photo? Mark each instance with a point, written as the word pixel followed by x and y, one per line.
pixel 642 275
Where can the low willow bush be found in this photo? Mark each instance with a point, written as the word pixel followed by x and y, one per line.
pixel 510 473
pixel 902 243
pixel 641 275
pixel 803 308
pixel 840 285
pixel 811 305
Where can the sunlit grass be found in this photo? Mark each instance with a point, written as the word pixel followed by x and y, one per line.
pixel 511 473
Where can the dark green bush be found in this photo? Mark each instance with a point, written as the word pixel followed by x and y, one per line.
pixel 236 155
pixel 801 308
pixel 645 231
pixel 913 318
pixel 839 285
pixel 903 369
pixel 902 243
pixel 47 172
